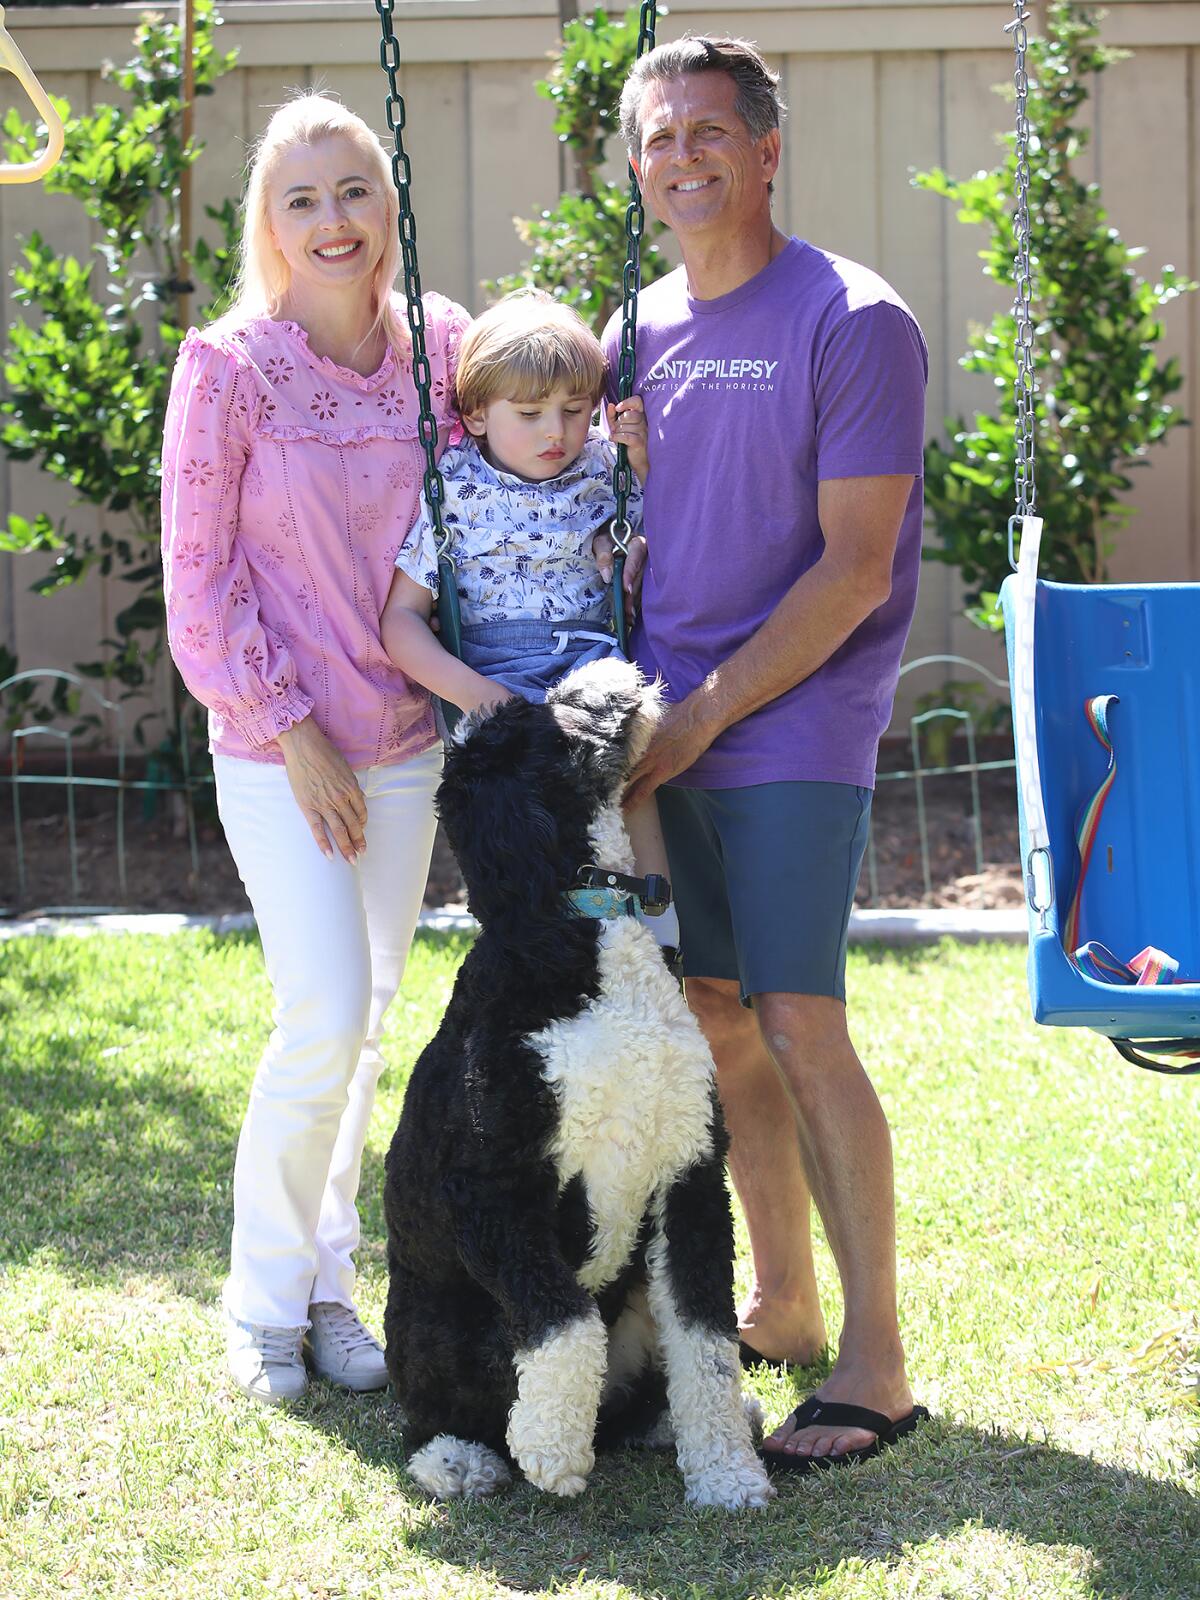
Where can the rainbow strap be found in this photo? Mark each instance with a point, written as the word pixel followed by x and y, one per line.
pixel 1088 826
pixel 1150 966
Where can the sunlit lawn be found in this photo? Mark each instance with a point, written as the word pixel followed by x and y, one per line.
pixel 1049 1199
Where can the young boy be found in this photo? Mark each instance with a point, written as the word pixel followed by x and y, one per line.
pixel 528 502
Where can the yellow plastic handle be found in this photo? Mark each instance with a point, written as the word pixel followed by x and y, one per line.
pixel 13 61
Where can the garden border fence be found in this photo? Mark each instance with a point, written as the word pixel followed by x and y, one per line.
pixel 188 782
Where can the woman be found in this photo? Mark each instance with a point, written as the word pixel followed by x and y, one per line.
pixel 291 475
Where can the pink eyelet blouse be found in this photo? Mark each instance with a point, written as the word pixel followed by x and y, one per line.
pixel 289 487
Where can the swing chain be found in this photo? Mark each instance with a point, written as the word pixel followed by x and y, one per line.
pixel 1025 382
pixel 435 489
pixel 631 278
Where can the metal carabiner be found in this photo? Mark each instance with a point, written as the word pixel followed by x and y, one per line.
pixel 13 61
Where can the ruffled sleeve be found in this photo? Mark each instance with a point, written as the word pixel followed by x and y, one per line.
pixel 445 323
pixel 229 661
pixel 449 321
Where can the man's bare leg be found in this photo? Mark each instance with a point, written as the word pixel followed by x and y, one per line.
pixel 846 1151
pixel 781 1316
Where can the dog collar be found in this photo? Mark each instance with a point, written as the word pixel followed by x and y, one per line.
pixel 603 903
pixel 652 893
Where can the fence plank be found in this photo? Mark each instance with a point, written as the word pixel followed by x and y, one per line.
pixel 831 154
pixel 1141 107
pixel 217 176
pixel 444 176
pixel 913 228
pixel 504 112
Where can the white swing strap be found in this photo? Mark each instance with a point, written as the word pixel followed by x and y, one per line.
pixel 1039 879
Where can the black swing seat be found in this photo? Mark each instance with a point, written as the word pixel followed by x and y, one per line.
pixel 1139 643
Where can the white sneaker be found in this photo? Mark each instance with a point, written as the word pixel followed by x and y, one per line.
pixel 266 1362
pixel 340 1349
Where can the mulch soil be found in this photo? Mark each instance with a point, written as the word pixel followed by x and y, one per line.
pixel 160 875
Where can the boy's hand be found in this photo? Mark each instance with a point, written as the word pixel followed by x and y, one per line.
pixel 605 551
pixel 494 695
pixel 627 425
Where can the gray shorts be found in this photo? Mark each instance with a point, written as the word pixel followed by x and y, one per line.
pixel 764 881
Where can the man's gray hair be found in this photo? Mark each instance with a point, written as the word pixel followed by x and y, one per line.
pixel 758 101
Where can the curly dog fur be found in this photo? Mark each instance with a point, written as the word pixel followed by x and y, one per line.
pixel 560 1245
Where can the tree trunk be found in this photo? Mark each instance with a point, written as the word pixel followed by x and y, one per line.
pixel 581 173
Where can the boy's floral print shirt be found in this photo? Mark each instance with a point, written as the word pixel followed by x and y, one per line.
pixel 521 550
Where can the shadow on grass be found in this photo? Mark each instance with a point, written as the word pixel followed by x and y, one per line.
pixel 103 1171
pixel 99 1181
pixel 122 1160
pixel 1136 1538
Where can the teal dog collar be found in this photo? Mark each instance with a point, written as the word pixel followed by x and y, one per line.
pixel 651 893
pixel 602 903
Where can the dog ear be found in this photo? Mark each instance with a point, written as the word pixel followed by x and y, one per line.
pixel 600 708
pixel 514 850
pixel 597 700
pixel 493 803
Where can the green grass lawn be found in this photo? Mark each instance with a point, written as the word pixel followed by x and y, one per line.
pixel 1048 1197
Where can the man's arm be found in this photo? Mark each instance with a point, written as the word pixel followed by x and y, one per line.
pixel 860 520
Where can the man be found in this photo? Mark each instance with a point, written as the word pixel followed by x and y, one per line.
pixel 784 393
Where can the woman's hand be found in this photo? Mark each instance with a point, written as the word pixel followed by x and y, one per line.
pixel 627 425
pixel 326 790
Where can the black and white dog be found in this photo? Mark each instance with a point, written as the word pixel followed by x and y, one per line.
pixel 560 1244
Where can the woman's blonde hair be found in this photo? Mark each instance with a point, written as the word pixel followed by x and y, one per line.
pixel 263 276
pixel 525 346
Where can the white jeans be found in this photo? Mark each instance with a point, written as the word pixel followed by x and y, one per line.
pixel 335 939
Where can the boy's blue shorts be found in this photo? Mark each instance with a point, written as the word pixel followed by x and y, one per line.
pixel 529 656
pixel 764 880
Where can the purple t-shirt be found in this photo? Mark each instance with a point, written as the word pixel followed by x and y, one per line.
pixel 812 369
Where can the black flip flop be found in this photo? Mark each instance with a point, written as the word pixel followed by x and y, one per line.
pixel 750 1357
pixel 837 1414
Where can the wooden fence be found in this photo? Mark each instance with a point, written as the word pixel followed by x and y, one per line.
pixel 875 91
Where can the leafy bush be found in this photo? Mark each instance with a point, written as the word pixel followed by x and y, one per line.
pixel 1103 396
pixel 87 379
pixel 578 247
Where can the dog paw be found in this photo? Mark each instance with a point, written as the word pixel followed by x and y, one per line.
pixel 556 1474
pixel 738 1485
pixel 755 1418
pixel 454 1469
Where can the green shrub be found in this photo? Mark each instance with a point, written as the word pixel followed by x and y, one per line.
pixel 1103 396
pixel 578 247
pixel 87 377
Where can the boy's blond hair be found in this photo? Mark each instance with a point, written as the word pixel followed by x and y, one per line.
pixel 525 346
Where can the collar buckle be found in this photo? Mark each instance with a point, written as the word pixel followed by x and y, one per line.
pixel 652 893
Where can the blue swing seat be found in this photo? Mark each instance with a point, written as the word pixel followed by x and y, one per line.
pixel 1140 643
